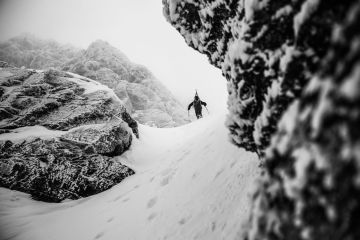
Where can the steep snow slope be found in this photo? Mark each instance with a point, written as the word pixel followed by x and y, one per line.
pixel 190 183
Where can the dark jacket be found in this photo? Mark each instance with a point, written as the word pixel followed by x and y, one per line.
pixel 197 106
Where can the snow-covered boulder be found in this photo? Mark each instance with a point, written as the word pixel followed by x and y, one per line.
pixel 293 71
pixel 59 132
pixel 108 139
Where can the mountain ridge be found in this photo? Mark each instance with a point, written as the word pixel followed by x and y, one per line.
pixel 145 97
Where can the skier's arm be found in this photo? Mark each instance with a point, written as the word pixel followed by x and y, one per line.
pixel 203 103
pixel 190 105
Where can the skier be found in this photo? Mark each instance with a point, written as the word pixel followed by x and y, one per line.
pixel 197 105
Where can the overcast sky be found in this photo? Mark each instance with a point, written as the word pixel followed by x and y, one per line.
pixel 136 27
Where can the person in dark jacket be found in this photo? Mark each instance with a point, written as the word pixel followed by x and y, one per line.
pixel 197 106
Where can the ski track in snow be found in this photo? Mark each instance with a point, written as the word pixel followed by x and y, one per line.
pixel 190 183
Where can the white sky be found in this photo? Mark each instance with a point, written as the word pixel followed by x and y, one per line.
pixel 136 27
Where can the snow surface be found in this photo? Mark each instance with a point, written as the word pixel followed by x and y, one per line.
pixel 32 132
pixel 91 86
pixel 4 74
pixel 190 183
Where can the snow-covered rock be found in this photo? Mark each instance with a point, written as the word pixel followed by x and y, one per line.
pixel 267 50
pixel 293 71
pixel 311 189
pixel 134 84
pixel 143 95
pixel 59 132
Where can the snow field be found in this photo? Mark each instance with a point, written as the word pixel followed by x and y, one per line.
pixel 190 183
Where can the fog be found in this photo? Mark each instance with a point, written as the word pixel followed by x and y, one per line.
pixel 136 27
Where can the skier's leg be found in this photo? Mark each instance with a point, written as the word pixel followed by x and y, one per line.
pixel 197 113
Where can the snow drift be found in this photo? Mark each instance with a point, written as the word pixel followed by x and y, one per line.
pixel 190 183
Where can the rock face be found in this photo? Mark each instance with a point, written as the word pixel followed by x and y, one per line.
pixel 144 96
pixel 60 132
pixel 293 69
pixel 146 99
pixel 311 189
pixel 267 50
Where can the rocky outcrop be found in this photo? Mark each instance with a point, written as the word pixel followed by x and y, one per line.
pixel 145 98
pixel 267 50
pixel 293 71
pixel 148 101
pixel 60 132
pixel 311 188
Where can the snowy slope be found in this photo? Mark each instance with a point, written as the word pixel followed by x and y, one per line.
pixel 190 183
